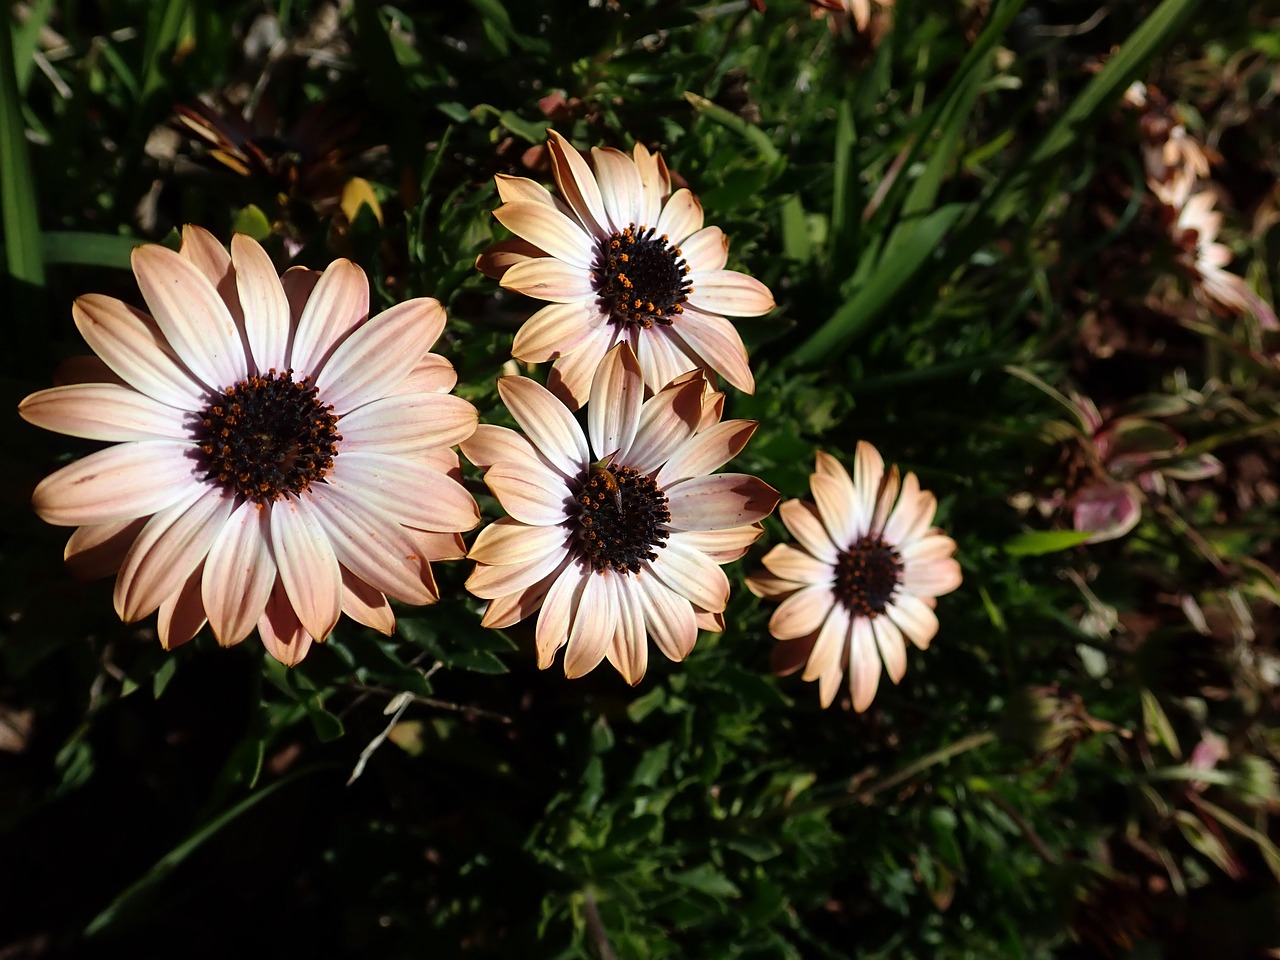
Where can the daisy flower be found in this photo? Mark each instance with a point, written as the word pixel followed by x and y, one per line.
pixel 617 534
pixel 620 258
pixel 1195 235
pixel 278 457
pixel 863 579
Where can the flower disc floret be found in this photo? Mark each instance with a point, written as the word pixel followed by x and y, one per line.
pixel 642 279
pixel 622 518
pixel 268 436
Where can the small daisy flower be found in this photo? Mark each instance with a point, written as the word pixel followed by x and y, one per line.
pixel 863 580
pixel 278 457
pixel 615 535
pixel 620 258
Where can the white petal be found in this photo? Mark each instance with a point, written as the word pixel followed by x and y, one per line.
pixel 547 423
pixel 104 411
pixel 239 574
pixel 308 564
pixel 337 305
pixel 617 392
pixel 119 483
pixel 265 306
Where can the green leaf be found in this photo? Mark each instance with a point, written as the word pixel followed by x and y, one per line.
pixel 1034 543
pixel 252 221
pixel 749 132
pixel 162 36
pixel 1156 725
pixel 706 880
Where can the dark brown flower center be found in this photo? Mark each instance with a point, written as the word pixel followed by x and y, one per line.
pixel 867 574
pixel 621 519
pixel 267 437
pixel 640 278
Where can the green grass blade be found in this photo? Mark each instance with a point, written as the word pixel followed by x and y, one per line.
pixel 132 899
pixel 906 252
pixel 25 39
pixel 162 35
pixel 731 121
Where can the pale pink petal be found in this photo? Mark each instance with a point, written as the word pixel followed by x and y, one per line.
pixel 104 411
pixel 172 544
pixel 522 188
pixel 571 374
pixel 720 500
pixel 931 579
pixel 530 493
pixel 621 189
pixel 802 613
pixel 133 346
pixel 433 546
pixel 805 524
pixel 667 420
pixel 98 550
pixel 656 181
pixel 548 278
pixel 496 259
pixel 788 657
pixel 363 604
pixel 376 358
pixel 308 562
pixel 548 229
pixel 555 331
pixel 510 541
pixel 338 304
pixel 119 483
pixel 547 423
pixel 593 625
pixel 192 315
pixel 731 293
pixel 692 575
pixel 563 598
pixel 211 258
pixel 503 612
pixel 629 649
pixel 829 650
pixel 706 452
pixel 668 617
pixel 663 355
pixel 407 424
pixel 836 508
pixel 934 546
pixel 724 546
pixel 913 516
pixel 914 618
pixel 868 471
pixel 239 574
pixel 893 649
pixel 681 217
pixel 374 547
pixel 266 308
pixel 764 584
pixel 577 184
pixel 490 444
pixel 181 614
pixel 706 250
pixel 415 495
pixel 710 622
pixel 489 582
pixel 864 664
pixel 282 633
pixel 787 562
pixel 829 466
pixel 884 503
pixel 432 374
pixel 617 392
pixel 717 345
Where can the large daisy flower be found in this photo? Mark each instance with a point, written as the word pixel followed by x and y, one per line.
pixel 863 578
pixel 621 258
pixel 618 533
pixel 278 457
